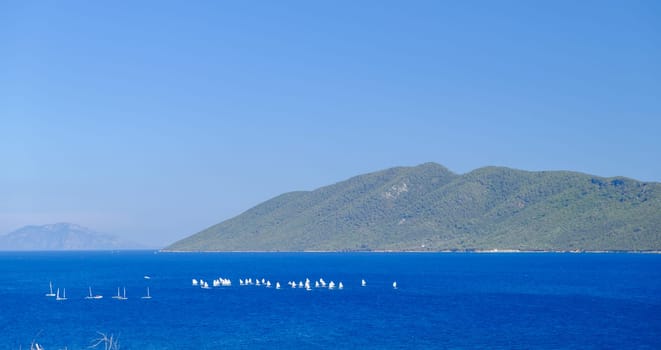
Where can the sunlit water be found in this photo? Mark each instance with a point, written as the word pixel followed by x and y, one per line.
pixel 446 300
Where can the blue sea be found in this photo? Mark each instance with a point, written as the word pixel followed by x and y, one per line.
pixel 443 300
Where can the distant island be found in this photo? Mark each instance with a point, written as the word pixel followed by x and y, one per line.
pixel 429 208
pixel 61 236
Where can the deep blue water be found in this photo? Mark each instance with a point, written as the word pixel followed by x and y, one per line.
pixel 445 300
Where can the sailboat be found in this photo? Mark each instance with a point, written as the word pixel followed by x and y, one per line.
pixel 363 283
pixel 146 296
pixel 340 286
pixel 277 285
pixel 51 294
pixel 64 294
pixel 394 285
pixel 90 296
pixel 120 297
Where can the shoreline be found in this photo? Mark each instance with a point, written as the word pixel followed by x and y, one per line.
pixel 476 251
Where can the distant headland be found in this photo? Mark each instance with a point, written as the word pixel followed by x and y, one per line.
pixel 62 236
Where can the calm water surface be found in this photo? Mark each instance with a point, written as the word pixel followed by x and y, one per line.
pixel 445 301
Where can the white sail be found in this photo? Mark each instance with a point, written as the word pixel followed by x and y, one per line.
pixel 363 283
pixel 50 287
pixel 64 294
pixel 90 296
pixel 394 285
pixel 148 296
pixel 119 296
pixel 340 286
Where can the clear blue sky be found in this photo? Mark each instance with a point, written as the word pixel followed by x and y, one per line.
pixel 154 120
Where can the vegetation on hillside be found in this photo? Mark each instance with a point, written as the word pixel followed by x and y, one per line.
pixel 427 207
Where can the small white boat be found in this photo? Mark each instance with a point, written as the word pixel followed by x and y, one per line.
pixel 331 285
pixel 340 286
pixel 195 282
pixel 148 296
pixel 90 296
pixel 50 294
pixel 394 285
pixel 363 283
pixel 205 285
pixel 316 284
pixel 277 285
pixel 120 297
pixel 268 284
pixel 300 284
pixel 64 294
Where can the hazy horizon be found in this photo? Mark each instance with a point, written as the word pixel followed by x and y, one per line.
pixel 152 122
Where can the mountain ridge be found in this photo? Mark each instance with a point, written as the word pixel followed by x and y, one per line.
pixel 428 207
pixel 61 236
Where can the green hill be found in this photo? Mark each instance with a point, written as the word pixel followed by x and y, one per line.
pixel 428 207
